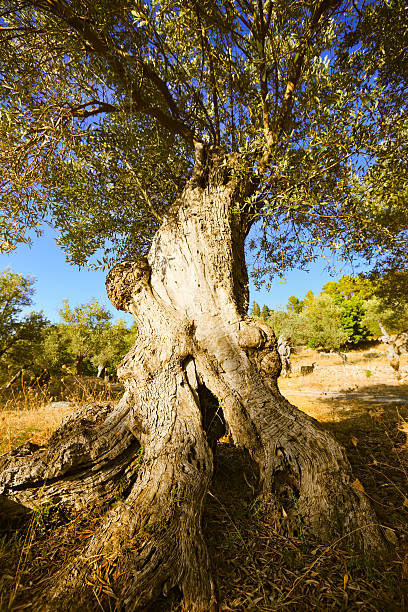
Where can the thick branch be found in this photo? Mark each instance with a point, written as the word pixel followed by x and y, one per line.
pixel 115 57
pixel 293 79
pixel 81 466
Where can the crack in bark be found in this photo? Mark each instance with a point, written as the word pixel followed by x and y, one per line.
pixel 73 474
pixel 197 353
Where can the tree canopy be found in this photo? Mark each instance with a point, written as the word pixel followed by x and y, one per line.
pixel 17 331
pixel 90 337
pixel 85 341
pixel 346 313
pixel 102 105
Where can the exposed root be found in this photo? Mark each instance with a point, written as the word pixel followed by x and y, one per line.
pixel 82 464
pixel 151 541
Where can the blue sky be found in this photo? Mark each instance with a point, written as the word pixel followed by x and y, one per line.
pixel 57 280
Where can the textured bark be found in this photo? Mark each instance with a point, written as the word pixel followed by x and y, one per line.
pixel 397 344
pixel 82 465
pixel 199 360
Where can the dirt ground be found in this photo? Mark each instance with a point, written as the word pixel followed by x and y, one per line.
pixel 334 388
pixel 257 565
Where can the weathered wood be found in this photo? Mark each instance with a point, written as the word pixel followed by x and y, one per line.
pixel 80 467
pixel 198 360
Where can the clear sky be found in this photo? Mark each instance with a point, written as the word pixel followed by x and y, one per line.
pixel 57 280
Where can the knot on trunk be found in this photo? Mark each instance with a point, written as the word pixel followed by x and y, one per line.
pixel 258 339
pixel 251 336
pixel 125 280
pixel 256 335
pixel 270 363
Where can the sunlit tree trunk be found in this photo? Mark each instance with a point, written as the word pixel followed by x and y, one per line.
pixel 393 352
pixel 200 366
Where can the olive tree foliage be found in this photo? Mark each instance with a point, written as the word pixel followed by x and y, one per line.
pixel 87 339
pixel 290 324
pixel 113 342
pixel 102 104
pixel 389 302
pixel 19 333
pixel 381 36
pixel 320 326
pixel 80 331
pixel 324 324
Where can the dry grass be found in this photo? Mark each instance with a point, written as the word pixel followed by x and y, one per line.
pixel 34 425
pixel 260 568
pixel 256 564
pixel 32 414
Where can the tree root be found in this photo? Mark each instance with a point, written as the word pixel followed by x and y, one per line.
pixel 82 465
pixel 150 540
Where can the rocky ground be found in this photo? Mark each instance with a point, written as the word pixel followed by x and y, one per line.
pixel 334 386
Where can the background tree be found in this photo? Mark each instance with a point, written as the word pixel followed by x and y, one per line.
pixel 255 310
pixel 389 302
pixel 85 330
pixel 290 324
pixel 324 324
pixel 264 312
pixel 309 299
pixel 248 112
pixel 352 320
pixel 52 351
pixel 350 294
pixel 395 321
pixel 348 287
pixel 295 305
pixel 375 311
pixel 110 346
pixel 359 314
pixel 19 333
pixel 320 326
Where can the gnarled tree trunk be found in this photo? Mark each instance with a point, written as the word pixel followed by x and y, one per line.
pixel 199 363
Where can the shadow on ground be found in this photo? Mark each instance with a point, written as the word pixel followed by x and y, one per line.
pixel 257 566
pixel 375 435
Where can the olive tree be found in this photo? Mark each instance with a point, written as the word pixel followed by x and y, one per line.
pixel 19 333
pixel 166 134
pixel 84 329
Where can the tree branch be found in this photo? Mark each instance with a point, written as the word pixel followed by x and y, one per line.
pixel 100 47
pixel 98 107
pixel 294 79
